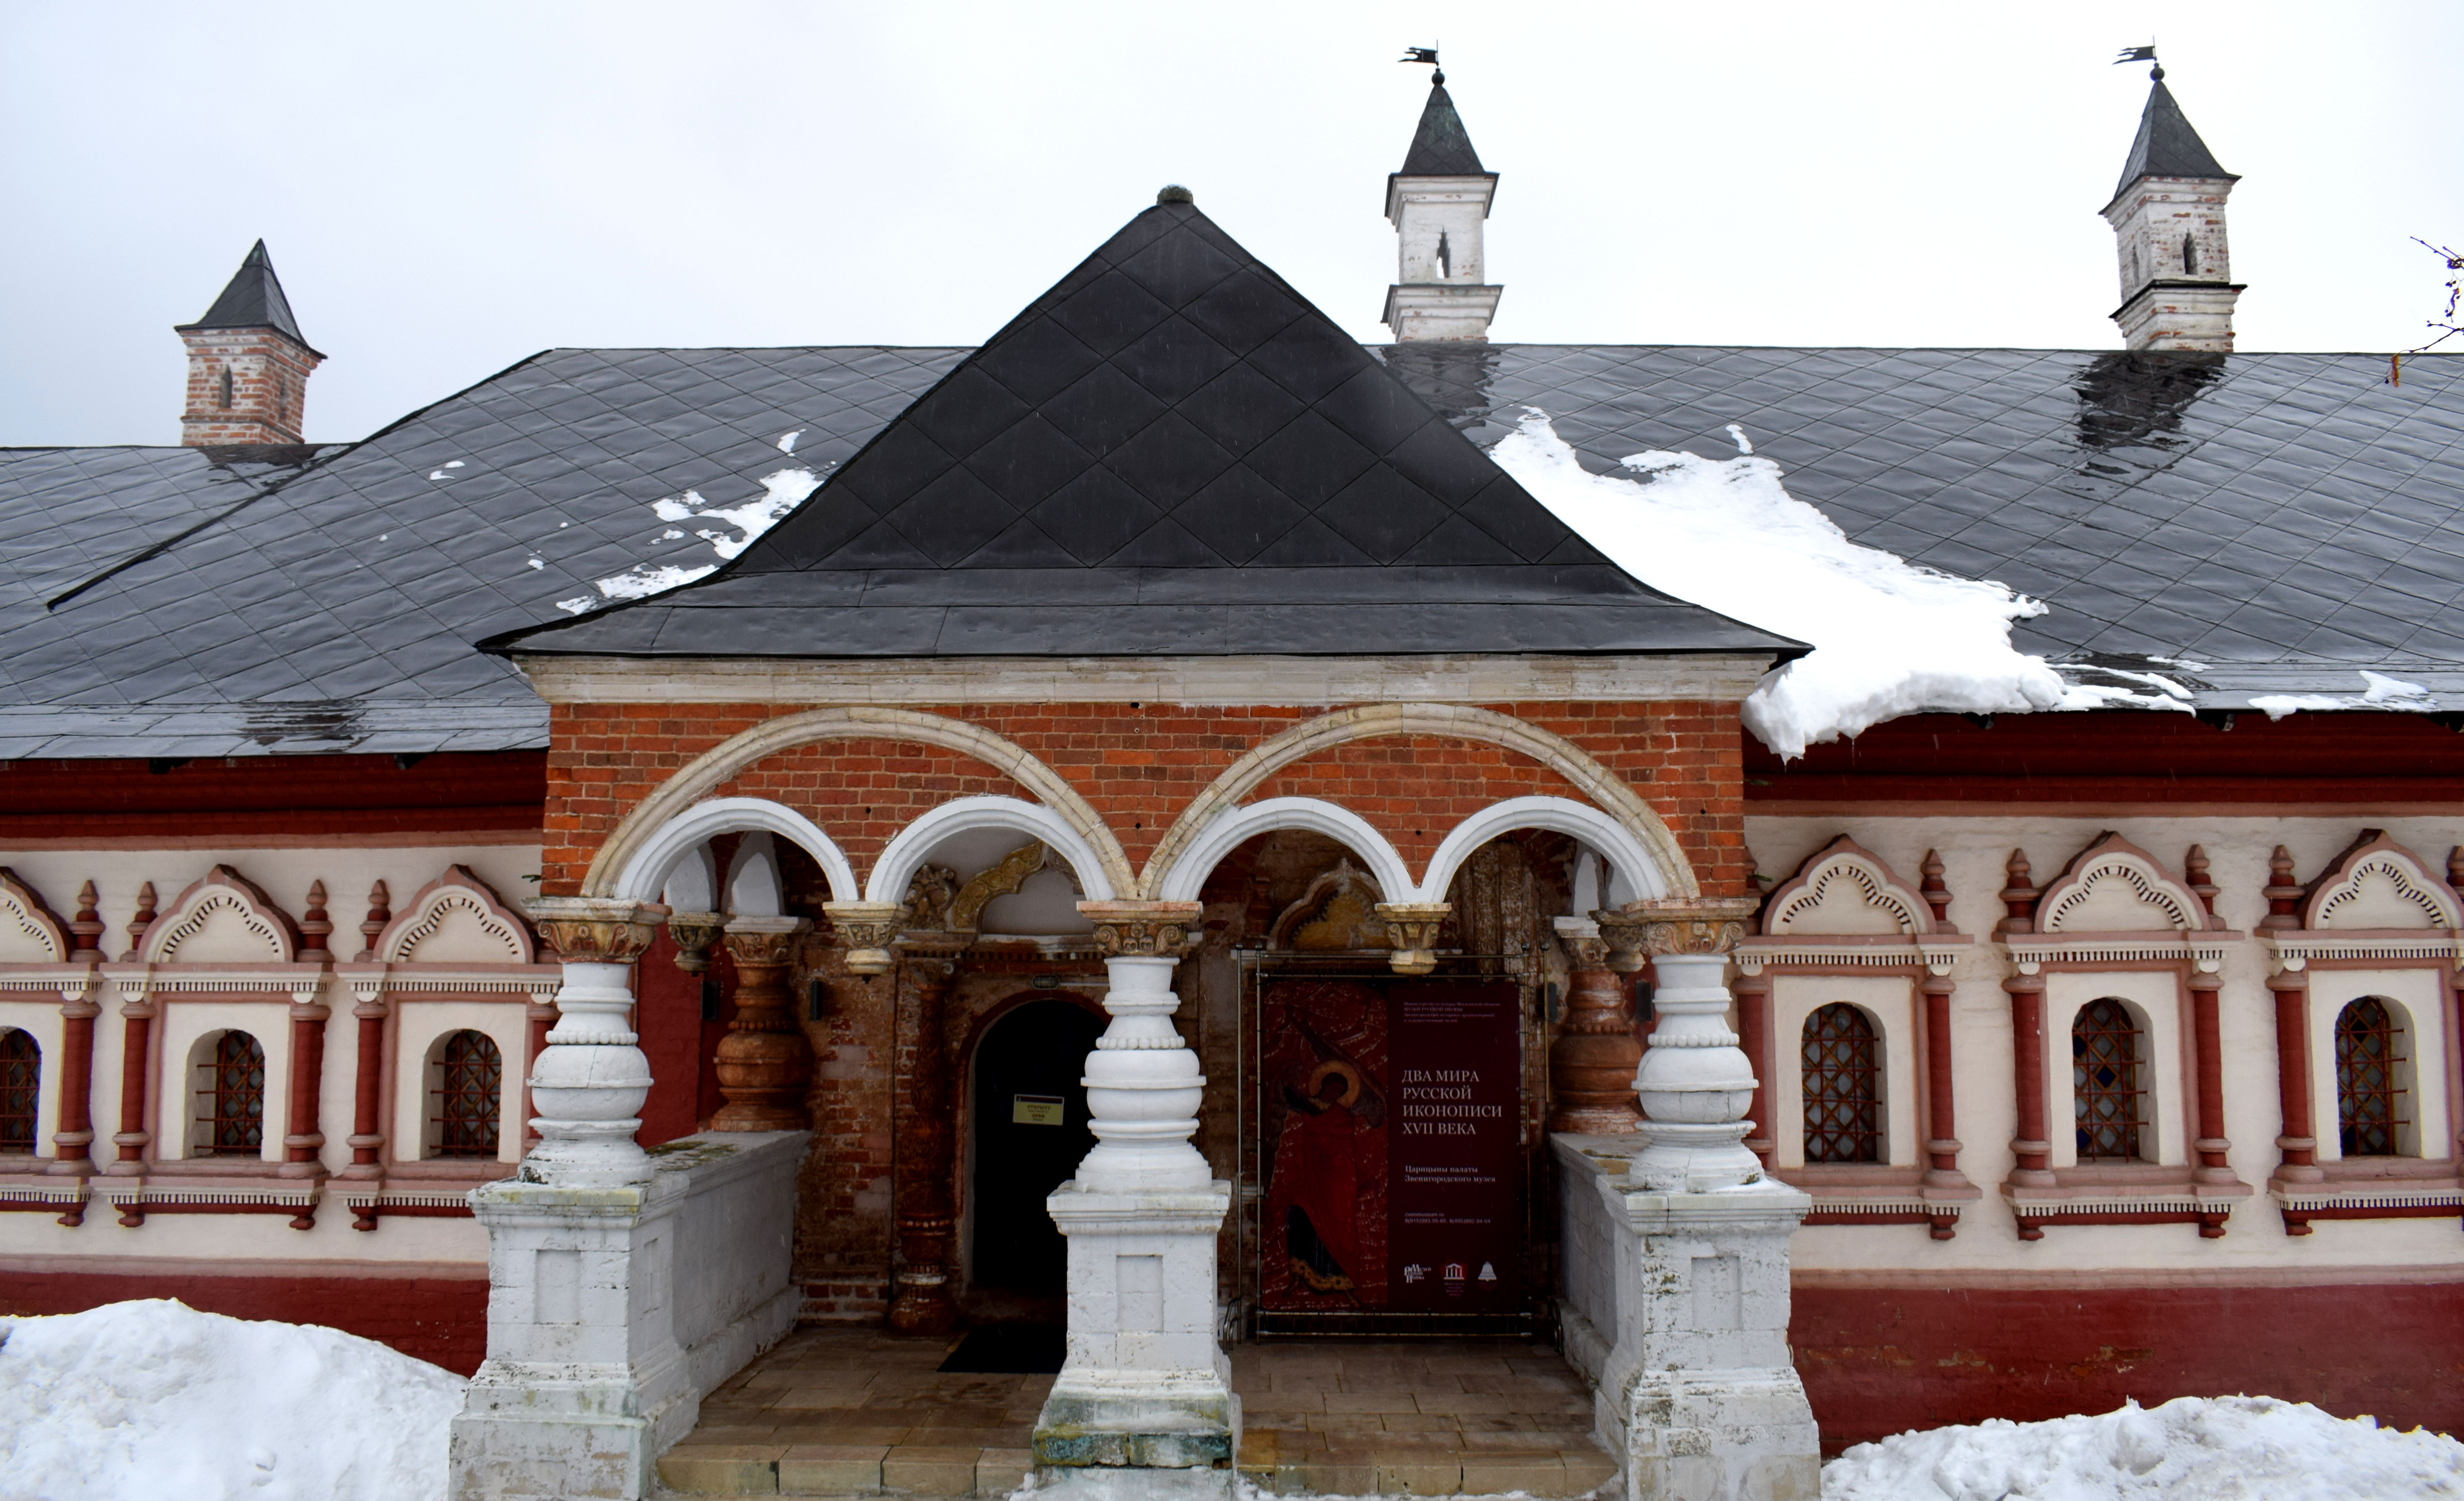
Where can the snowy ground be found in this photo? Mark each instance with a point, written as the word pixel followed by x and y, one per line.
pixel 154 1400
pixel 2192 1448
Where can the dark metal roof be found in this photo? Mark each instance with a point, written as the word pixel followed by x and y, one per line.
pixel 253 298
pixel 2286 519
pixel 2166 146
pixel 1169 453
pixel 1440 147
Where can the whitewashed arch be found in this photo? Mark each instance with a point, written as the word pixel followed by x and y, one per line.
pixel 2380 884
pixel 1634 871
pixel 904 855
pixel 1868 890
pixel 225 918
pixel 426 929
pixel 1232 829
pixel 29 931
pixel 645 870
pixel 2113 886
pixel 1672 873
pixel 611 867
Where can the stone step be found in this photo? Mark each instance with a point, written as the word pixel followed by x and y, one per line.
pixel 918 1471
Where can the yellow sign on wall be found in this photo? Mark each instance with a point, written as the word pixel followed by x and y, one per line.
pixel 1035 1110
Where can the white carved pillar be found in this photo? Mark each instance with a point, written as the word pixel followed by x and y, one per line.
pixel 584 1381
pixel 1699 1387
pixel 588 1086
pixel 1143 1405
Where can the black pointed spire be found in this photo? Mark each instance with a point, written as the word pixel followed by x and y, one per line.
pixel 2167 146
pixel 253 299
pixel 1170 451
pixel 1440 147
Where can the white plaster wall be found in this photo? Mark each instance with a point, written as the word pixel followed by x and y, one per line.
pixel 1888 1002
pixel 348 867
pixel 421 1023
pixel 2155 215
pixel 2154 999
pixel 1427 211
pixel 2421 1011
pixel 42 1021
pixel 182 1026
pixel 1974 850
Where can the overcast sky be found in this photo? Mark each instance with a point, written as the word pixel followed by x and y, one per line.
pixel 447 186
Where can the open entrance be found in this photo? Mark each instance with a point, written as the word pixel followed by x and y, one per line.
pixel 1029 1113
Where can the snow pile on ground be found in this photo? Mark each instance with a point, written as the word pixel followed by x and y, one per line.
pixel 154 1399
pixel 1889 637
pixel 2191 1448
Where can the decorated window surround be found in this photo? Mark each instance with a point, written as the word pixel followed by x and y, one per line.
pixel 2047 934
pixel 2315 931
pixel 1916 943
pixel 55 969
pixel 415 959
pixel 290 971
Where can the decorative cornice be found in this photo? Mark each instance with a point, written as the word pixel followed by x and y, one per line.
pixel 2037 953
pixel 597 930
pixel 2109 858
pixel 221 889
pixel 1144 929
pixel 457 890
pixel 1798 898
pixel 1691 925
pixel 22 908
pixel 1936 953
pixel 2338 886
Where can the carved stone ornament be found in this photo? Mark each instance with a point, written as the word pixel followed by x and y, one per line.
pixel 1005 876
pixel 1677 926
pixel 596 930
pixel 867 927
pixel 1412 934
pixel 694 931
pixel 1143 929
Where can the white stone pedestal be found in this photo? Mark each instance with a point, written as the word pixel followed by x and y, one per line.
pixel 611 1311
pixel 1143 1406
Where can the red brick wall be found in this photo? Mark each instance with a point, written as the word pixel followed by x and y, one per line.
pixel 443 1320
pixel 269 387
pixel 1878 1361
pixel 1141 766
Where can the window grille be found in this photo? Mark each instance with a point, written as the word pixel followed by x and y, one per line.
pixel 21 1072
pixel 2105 1091
pixel 469 1096
pixel 2367 1100
pixel 1843 1113
pixel 233 1102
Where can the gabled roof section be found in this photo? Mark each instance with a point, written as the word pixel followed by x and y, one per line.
pixel 1441 147
pixel 2166 146
pixel 1170 451
pixel 253 300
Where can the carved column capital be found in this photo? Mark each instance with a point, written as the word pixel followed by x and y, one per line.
pixel 1412 932
pixel 866 928
pixel 764 941
pixel 1674 925
pixel 1585 948
pixel 694 931
pixel 1143 929
pixel 596 930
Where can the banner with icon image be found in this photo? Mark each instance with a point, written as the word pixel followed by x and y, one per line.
pixel 1392 1146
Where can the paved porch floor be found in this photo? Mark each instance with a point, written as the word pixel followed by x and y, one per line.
pixel 860 1412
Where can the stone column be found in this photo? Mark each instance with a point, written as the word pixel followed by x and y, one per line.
pixel 584 1381
pixel 1592 1062
pixel 592 1080
pixel 1143 1406
pixel 1699 1388
pixel 764 1063
pixel 927 1154
pixel 2298 1170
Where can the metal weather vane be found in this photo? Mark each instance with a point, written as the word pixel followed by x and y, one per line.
pixel 2146 54
pixel 1429 56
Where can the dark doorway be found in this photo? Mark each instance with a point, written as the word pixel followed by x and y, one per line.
pixel 1030 1118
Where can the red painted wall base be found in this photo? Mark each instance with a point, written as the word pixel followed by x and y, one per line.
pixel 1878 1361
pixel 438 1319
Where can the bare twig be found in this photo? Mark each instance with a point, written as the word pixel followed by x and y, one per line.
pixel 2445 322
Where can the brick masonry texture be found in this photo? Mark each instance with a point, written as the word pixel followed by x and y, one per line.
pixel 1141 766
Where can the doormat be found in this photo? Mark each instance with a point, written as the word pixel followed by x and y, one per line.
pixel 1008 1350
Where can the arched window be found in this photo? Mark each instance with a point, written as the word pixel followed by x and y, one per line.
pixel 226 389
pixel 231 1098
pixel 1843 1112
pixel 2189 256
pixel 21 1074
pixel 2105 1091
pixel 2369 1097
pixel 468 1095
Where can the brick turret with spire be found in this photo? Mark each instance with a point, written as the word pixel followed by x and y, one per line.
pixel 1437 204
pixel 248 363
pixel 2168 224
